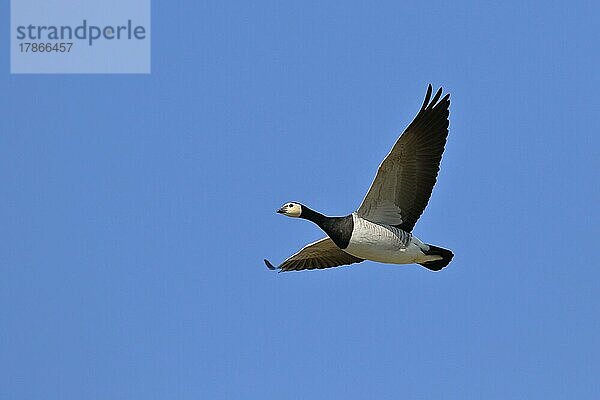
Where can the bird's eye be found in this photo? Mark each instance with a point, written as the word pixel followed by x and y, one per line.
pixel 290 205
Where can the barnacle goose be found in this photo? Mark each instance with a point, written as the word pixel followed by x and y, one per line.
pixel 380 230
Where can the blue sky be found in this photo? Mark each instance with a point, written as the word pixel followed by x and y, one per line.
pixel 136 209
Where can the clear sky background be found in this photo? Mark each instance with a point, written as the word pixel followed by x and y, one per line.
pixel 136 210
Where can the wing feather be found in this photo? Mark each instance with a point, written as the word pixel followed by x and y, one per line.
pixel 406 177
pixel 318 255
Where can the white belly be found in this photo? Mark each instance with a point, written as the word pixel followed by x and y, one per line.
pixel 382 243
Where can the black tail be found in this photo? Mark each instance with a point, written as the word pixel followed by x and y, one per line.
pixel 437 264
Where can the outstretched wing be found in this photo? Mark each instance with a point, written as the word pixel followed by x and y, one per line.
pixel 405 178
pixel 318 255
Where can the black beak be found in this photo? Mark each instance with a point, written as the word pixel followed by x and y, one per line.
pixel 281 210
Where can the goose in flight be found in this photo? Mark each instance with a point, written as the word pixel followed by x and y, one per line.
pixel 380 230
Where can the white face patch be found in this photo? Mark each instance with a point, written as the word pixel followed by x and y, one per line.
pixel 292 210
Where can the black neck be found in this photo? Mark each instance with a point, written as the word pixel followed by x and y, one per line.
pixel 313 216
pixel 339 229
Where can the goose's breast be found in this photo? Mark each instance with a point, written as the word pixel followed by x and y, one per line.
pixel 381 243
